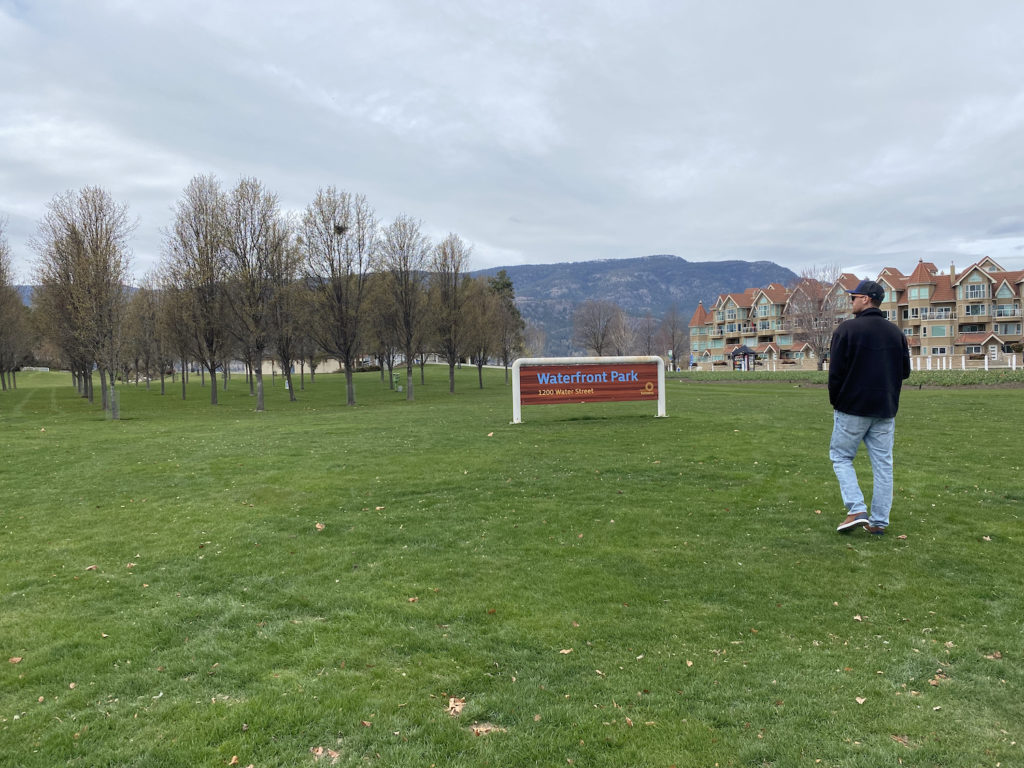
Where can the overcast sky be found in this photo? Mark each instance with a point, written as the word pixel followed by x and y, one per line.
pixel 863 134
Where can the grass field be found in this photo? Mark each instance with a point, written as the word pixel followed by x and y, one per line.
pixel 315 584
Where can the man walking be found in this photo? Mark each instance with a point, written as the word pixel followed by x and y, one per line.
pixel 868 362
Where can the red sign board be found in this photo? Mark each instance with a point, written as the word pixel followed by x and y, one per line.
pixel 588 383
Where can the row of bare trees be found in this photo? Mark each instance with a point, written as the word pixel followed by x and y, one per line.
pixel 601 327
pixel 14 318
pixel 239 279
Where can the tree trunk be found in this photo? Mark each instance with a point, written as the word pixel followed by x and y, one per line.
pixel 115 404
pixel 259 388
pixel 480 373
pixel 103 388
pixel 408 379
pixel 213 384
pixel 451 376
pixel 350 387
pixel 289 386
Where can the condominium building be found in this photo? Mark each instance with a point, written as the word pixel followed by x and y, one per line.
pixel 973 314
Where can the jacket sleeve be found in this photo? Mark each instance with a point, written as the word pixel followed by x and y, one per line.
pixel 836 366
pixel 906 359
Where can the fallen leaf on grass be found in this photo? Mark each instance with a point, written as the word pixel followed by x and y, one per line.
pixel 455 706
pixel 860 699
pixel 986 538
pixel 994 655
pixel 90 568
pixel 902 536
pixel 17 659
pixel 536 718
pixel 365 723
pixel 858 618
pixel 233 760
pixel 482 729
pixel 565 650
pixel 901 740
pixel 320 753
pixel 320 526
pixel 490 434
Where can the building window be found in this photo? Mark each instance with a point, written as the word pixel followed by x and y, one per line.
pixel 972 349
pixel 976 292
pixel 972 310
pixel 938 350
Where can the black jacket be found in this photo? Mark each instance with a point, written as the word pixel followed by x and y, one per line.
pixel 867 365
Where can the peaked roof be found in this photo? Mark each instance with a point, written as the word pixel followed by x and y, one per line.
pixel 848 281
pixel 924 272
pixel 977 338
pixel 700 315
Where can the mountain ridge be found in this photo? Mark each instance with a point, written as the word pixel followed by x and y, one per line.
pixel 547 294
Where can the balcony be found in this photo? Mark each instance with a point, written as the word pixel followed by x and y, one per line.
pixel 973 312
pixel 944 313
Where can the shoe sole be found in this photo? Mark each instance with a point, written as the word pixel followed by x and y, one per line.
pixel 844 527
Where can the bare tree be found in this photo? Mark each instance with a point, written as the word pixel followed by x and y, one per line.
pixel 510 325
pixel 259 263
pixel 289 309
pixel 404 251
pixel 82 244
pixel 644 332
pixel 535 340
pixel 448 265
pixel 597 326
pixel 814 309
pixel 483 307
pixel 338 235
pixel 674 336
pixel 174 330
pixel 195 272
pixel 14 323
pixel 382 336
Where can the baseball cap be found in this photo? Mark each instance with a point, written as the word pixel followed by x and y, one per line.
pixel 869 288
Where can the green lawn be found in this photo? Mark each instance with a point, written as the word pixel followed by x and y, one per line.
pixel 600 587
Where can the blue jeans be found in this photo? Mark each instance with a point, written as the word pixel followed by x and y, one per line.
pixel 877 435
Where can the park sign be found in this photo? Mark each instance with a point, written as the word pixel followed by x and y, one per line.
pixel 552 380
